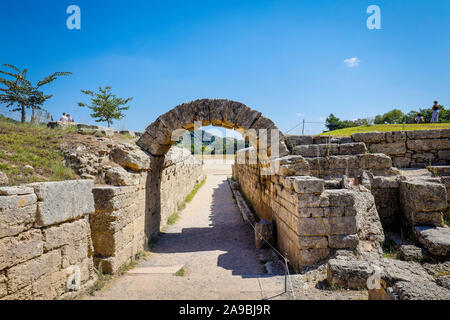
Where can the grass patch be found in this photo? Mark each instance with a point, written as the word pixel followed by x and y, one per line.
pixel 182 272
pixel 103 278
pixel 387 127
pixel 173 218
pixel 194 191
pixel 390 249
pixel 176 215
pixel 33 145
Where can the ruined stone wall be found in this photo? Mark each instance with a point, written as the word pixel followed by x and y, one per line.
pixel 409 148
pixel 126 216
pixel 181 172
pixel 45 240
pixel 310 221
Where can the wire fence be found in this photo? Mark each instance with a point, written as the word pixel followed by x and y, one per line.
pixel 287 274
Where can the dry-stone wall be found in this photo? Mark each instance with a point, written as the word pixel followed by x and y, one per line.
pixel 127 215
pixel 339 193
pixel 409 148
pixel 311 222
pixel 45 240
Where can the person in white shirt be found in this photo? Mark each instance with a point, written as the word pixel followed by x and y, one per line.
pixel 64 118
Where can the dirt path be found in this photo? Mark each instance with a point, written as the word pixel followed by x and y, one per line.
pixel 214 245
pixel 217 249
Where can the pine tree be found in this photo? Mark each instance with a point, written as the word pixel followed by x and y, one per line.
pixel 106 106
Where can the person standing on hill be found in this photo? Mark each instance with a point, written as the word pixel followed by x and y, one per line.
pixel 435 114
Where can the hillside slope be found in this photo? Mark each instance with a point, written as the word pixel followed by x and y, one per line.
pixel 387 127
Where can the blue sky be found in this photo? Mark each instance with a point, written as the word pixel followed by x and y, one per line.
pixel 283 58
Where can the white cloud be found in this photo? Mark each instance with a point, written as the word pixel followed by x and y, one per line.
pixel 352 62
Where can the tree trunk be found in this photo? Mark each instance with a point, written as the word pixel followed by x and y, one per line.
pixel 23 119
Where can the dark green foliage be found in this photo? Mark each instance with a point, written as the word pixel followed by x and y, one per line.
pixel 106 106
pixel 20 94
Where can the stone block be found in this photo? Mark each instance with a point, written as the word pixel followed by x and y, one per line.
pixel 17 214
pixel 62 201
pixel 394 148
pixel 423 134
pixel 313 227
pixel 369 137
pixel 342 225
pixel 348 273
pixel 293 141
pixel 312 242
pixel 343 241
pixel 263 233
pixel 66 233
pixel 26 273
pixel 23 247
pixel 16 191
pixel 395 136
pixel 435 239
pixel 308 185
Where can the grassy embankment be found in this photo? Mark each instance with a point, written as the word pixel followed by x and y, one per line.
pixel 32 153
pixel 387 127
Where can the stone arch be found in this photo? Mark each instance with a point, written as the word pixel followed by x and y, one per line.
pixel 158 139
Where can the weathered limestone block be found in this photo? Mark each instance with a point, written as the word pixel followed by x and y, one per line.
pixel 292 166
pixel 423 134
pixel 396 270
pixel 435 239
pixel 293 141
pixel 444 281
pixel 62 201
pixel 426 144
pixel 444 155
pixel 342 225
pixel 348 273
pixel 17 213
pixel 313 227
pixel 395 136
pixel 343 241
pixel 25 246
pixel 26 273
pixel 75 252
pixel 308 185
pixel 148 143
pixel 324 150
pixel 118 176
pixel 16 191
pixel 307 257
pixel 411 252
pixel 375 161
pixel 394 148
pixel 367 218
pixel 369 137
pixel 312 242
pixel 66 233
pixel 420 290
pixel 423 202
pixel 130 157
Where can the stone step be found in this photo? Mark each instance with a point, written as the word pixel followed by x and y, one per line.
pixel 442 171
pixel 296 140
pixel 435 239
pixel 323 150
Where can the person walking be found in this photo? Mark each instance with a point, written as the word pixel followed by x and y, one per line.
pixel 435 114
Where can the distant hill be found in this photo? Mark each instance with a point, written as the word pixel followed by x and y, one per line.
pixel 212 144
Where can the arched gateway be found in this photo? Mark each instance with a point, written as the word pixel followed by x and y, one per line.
pixel 158 136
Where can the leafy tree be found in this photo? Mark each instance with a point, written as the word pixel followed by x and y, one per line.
pixel 106 106
pixel 393 116
pixel 20 92
pixel 333 123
